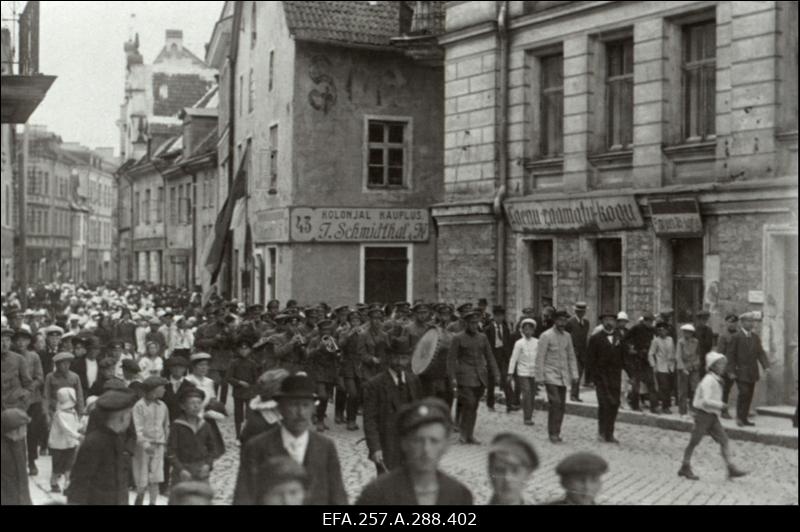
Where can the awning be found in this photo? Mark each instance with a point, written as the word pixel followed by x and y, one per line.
pixel 22 95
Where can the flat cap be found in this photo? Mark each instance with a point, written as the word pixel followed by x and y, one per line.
pixel 192 488
pixel 561 313
pixel 116 400
pixel 191 391
pixel 582 464
pixel 422 412
pixel 153 382
pixel 13 418
pixel 7 331
pixel 64 355
pixel 129 364
pixel 514 448
pixel 278 470
pixel 580 305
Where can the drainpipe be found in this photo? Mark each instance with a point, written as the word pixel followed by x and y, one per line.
pixel 502 150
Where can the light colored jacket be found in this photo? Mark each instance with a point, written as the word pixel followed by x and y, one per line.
pixel 66 424
pixel 662 355
pixel 151 421
pixel 686 357
pixel 523 358
pixel 555 359
pixel 708 396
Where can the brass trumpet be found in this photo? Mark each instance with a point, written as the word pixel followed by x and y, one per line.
pixel 330 344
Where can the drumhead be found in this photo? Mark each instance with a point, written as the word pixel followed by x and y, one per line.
pixel 425 351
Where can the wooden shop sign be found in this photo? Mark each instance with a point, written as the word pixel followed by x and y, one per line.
pixel 672 217
pixel 574 215
pixel 344 224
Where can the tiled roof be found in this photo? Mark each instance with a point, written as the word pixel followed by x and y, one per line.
pixel 362 23
pixel 182 90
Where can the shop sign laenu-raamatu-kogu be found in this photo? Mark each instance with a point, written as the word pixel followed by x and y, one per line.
pixel 574 215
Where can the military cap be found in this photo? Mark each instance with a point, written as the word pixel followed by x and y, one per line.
pixel 702 313
pixel 191 391
pixel 422 412
pixel 245 339
pixel 20 333
pixel 375 310
pixel 278 470
pixel 464 308
pixel 498 309
pixel 421 306
pixel 106 363
pixel 353 313
pixel 64 355
pixel 324 323
pixel 648 316
pixel 255 308
pixel 471 314
pixel 580 305
pixel 13 418
pixel 151 383
pixel 402 304
pixel 441 307
pixel 284 317
pixel 584 464
pixel 129 364
pixel 514 448
pixel 297 386
pixel 731 318
pixel 561 313
pixel 192 488
pixel 199 357
pixel 341 308
pixel 116 400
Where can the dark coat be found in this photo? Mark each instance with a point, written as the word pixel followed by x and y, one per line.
pixel 604 358
pixel 100 475
pixel 79 367
pixel 508 343
pixel 187 447
pixel 171 399
pixel 382 401
pixel 254 424
pixel 744 353
pixel 579 330
pixel 14 474
pixel 242 369
pixel 470 359
pixel 326 486
pixel 395 489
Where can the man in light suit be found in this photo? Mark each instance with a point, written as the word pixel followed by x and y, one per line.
pixel 744 353
pixel 557 368
pixel 294 439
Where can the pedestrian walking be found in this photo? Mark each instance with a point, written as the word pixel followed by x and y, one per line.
pixel 14 490
pixel 199 378
pixel 708 405
pixel 745 353
pixel 242 375
pixel 578 328
pixel 523 362
pixel 17 383
pixel 557 368
pixel 724 340
pixel 191 446
pixel 151 421
pixel 64 438
pixel 262 413
pixel 324 357
pixel 512 461
pixel 581 477
pixel 350 369
pixel 61 377
pixel 638 343
pixel 688 367
pixel 604 358
pixel 424 427
pixel 37 428
pixel 661 357
pixel 499 336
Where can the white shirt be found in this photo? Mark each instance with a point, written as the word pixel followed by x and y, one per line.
pixel 175 384
pixel 296 447
pixel 402 377
pixel 498 335
pixel 151 366
pixel 523 358
pixel 91 371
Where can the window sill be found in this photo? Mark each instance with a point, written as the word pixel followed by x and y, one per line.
pixel 544 164
pixel 613 159
pixel 389 188
pixel 787 136
pixel 694 150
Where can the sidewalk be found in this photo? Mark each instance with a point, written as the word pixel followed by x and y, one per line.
pixel 769 430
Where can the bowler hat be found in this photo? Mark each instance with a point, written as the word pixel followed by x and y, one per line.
pixel 583 463
pixel 297 386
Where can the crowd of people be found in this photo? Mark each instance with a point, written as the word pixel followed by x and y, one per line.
pixel 125 388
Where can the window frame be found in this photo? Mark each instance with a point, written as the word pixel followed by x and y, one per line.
pixel 544 151
pixel 612 81
pixel 362 277
pixel 702 66
pixel 676 277
pixel 608 274
pixel 407 147
pixel 536 273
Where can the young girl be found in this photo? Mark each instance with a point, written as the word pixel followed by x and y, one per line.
pixel 64 437
pixel 151 363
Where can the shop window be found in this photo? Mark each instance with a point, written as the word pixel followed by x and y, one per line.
pixel 619 94
pixel 552 106
pixel 385 273
pixel 609 274
pixel 543 272
pixel 387 152
pixel 699 84
pixel 687 278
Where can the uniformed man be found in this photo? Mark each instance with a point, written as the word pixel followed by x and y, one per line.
pixel 604 358
pixel 424 427
pixel 581 478
pixel 468 363
pixel 324 360
pixel 415 329
pixel 373 344
pixel 286 349
pixel 17 382
pixel 459 325
pixel 731 328
pixel 53 335
pixel 384 396
pixel 705 337
pixel 350 369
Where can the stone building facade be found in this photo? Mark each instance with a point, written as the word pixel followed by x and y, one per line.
pixel 636 155
pixel 338 132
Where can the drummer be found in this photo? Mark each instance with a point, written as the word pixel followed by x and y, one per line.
pixel 460 325
pixel 415 329
pixel 434 377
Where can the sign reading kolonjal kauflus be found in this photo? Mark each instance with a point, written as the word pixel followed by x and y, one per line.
pixel 585 214
pixel 347 224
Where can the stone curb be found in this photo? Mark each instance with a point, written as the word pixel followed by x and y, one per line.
pixel 637 418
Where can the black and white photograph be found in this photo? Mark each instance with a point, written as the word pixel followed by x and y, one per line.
pixel 372 255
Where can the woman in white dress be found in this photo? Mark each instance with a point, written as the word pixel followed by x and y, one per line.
pixel 199 377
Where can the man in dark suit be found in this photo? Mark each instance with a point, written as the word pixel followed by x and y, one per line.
pixel 468 363
pixel 578 328
pixel 705 338
pixel 293 438
pixel 498 333
pixel 424 428
pixel 744 353
pixel 87 363
pixel 175 367
pixel 604 361
pixel 384 395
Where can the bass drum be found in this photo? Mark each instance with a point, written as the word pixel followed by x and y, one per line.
pixel 426 352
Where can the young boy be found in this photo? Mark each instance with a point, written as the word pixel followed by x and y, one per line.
pixel 191 444
pixel 662 359
pixel 708 405
pixel 688 366
pixel 242 375
pixel 151 421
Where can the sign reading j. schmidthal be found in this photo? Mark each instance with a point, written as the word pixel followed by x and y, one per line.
pixel 346 224
pixel 586 214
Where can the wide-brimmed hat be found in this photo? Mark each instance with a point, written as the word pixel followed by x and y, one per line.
pixel 298 386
